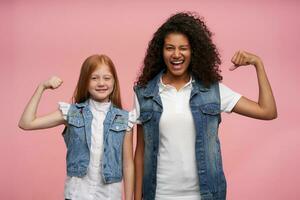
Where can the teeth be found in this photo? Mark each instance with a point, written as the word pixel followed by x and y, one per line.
pixel 177 62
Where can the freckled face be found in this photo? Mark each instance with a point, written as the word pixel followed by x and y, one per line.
pixel 177 54
pixel 101 84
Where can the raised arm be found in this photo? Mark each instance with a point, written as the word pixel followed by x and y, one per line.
pixel 265 107
pixel 29 120
pixel 139 163
pixel 128 166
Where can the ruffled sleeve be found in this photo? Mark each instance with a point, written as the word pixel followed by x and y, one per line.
pixel 131 120
pixel 64 108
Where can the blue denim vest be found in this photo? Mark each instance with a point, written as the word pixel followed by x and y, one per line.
pixel 77 136
pixel 205 107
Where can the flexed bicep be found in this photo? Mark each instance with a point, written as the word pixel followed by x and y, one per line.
pixel 250 108
pixel 265 107
pixel 29 120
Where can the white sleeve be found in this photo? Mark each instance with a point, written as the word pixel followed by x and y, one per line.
pixel 228 98
pixel 134 114
pixel 130 123
pixel 64 108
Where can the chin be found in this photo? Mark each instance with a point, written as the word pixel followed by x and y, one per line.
pixel 178 73
pixel 100 99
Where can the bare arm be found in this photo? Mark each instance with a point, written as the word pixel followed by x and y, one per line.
pixel 128 166
pixel 265 107
pixel 29 120
pixel 139 163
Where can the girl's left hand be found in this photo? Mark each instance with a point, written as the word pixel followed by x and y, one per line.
pixel 242 58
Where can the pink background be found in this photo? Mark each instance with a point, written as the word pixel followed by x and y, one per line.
pixel 44 38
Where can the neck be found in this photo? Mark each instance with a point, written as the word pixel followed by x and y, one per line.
pixel 176 81
pixel 100 101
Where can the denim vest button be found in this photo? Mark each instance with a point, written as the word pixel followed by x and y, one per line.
pixel 117 127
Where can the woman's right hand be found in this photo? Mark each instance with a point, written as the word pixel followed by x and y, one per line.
pixel 52 83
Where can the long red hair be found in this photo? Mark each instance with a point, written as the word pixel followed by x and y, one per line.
pixel 81 92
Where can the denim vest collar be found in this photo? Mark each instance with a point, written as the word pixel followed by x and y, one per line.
pixel 152 90
pixel 86 104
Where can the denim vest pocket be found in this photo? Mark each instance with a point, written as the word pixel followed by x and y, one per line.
pixel 76 126
pixel 76 121
pixel 211 117
pixel 118 127
pixel 210 109
pixel 113 149
pixel 119 123
pixel 117 131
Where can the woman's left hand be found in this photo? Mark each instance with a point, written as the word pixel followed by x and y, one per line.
pixel 242 58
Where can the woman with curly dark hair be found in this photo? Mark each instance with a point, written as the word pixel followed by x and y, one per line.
pixel 178 105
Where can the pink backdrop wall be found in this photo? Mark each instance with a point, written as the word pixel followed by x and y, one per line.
pixel 43 38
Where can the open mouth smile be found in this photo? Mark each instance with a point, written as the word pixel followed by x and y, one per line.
pixel 177 62
pixel 100 90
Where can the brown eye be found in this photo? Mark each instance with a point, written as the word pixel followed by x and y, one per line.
pixel 168 48
pixel 184 48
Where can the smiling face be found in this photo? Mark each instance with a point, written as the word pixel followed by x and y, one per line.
pixel 177 55
pixel 101 83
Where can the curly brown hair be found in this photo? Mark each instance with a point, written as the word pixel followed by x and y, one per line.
pixel 205 58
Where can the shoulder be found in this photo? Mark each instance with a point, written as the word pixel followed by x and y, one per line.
pixel 77 108
pixel 202 87
pixel 139 92
pixel 74 107
pixel 225 90
pixel 66 108
pixel 138 88
pixel 120 111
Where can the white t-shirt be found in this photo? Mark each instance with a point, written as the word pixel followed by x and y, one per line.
pixel 177 176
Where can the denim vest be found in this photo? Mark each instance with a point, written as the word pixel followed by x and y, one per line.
pixel 77 136
pixel 205 107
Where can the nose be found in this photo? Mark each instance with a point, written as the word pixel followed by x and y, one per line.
pixel 100 82
pixel 176 53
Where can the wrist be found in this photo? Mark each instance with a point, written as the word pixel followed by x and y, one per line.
pixel 258 63
pixel 42 87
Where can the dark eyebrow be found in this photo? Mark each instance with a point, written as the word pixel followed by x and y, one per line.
pixel 184 45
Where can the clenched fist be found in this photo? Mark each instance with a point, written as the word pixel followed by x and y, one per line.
pixel 242 58
pixel 52 83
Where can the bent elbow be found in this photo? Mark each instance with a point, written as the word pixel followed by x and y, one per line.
pixel 275 115
pixel 271 116
pixel 23 126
